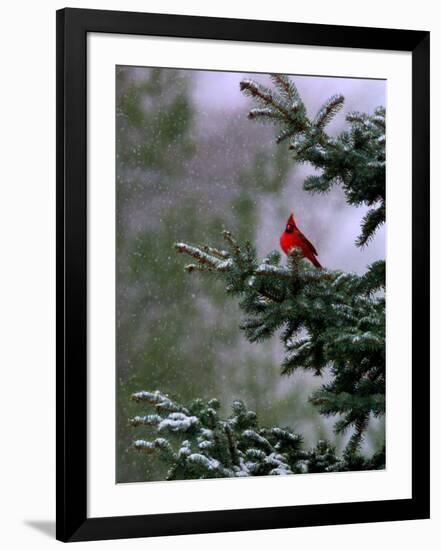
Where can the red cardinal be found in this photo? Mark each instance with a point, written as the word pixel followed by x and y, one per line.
pixel 293 237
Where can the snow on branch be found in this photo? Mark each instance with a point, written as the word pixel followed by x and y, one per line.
pixel 325 318
pixel 232 447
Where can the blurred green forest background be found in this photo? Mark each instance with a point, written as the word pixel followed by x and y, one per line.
pixel 189 164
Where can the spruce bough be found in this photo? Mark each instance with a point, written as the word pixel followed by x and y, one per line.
pixel 327 319
pixel 197 444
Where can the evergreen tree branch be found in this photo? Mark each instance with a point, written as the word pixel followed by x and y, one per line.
pixel 329 320
pixel 370 223
pixel 355 159
pixel 327 112
pixel 236 446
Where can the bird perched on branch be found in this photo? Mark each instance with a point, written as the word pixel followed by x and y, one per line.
pixel 292 237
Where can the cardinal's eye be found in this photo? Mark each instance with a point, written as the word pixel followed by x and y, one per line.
pixel 289 228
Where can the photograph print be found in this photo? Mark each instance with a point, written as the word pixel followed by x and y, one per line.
pixel 250 274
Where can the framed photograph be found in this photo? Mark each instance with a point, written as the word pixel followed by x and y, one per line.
pixel 232 353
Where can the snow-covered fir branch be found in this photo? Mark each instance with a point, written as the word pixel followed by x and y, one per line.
pixel 201 444
pixel 328 320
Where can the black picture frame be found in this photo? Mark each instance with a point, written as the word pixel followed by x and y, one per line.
pixel 73 25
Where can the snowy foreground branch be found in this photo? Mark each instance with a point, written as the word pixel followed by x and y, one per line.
pixel 329 319
pixel 197 444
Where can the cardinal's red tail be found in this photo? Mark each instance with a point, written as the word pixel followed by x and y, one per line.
pixel 315 261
